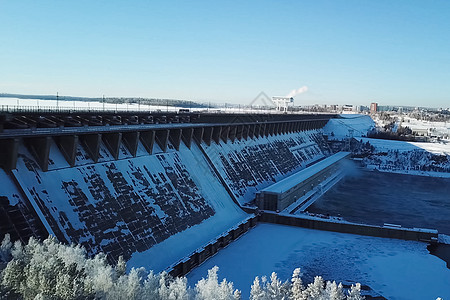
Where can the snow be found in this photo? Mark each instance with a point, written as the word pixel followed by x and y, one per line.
pixel 57 160
pixel 11 192
pixel 184 243
pixel 12 103
pixel 410 172
pixel 291 181
pixel 251 165
pixel 386 145
pixel 395 269
pixel 434 128
pixel 36 207
pixel 17 103
pixel 444 239
pixel 85 204
pixel 424 159
pixel 348 125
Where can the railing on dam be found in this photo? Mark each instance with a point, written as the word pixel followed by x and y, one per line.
pixel 119 108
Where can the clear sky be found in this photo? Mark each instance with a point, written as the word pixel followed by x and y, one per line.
pixel 394 52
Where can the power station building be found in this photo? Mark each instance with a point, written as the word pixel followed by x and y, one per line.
pixel 285 192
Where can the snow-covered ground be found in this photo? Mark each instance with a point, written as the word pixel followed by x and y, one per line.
pixel 348 126
pixel 425 159
pixel 441 129
pixel 395 269
pixel 385 145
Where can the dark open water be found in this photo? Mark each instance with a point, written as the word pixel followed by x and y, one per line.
pixel 376 198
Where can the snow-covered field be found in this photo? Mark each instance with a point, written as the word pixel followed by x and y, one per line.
pixel 385 145
pixel 424 159
pixel 348 126
pixel 395 269
pixel 435 128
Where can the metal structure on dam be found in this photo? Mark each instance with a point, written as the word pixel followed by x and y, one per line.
pixel 36 129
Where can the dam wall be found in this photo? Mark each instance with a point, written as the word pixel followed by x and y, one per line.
pixel 248 166
pixel 125 206
pixel 153 196
pixel 17 217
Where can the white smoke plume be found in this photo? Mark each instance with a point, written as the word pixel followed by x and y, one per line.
pixel 296 92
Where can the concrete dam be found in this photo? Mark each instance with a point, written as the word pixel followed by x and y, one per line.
pixel 150 187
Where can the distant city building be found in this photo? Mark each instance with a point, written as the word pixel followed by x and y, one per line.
pixel 282 103
pixel 373 107
pixel 347 107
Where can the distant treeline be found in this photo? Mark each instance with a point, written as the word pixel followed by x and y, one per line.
pixel 143 101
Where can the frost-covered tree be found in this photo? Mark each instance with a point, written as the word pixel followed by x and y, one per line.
pixel 5 249
pixel 315 290
pixel 210 288
pixel 121 266
pixel 275 289
pixel 256 291
pixel 297 286
pixel 355 292
pixel 334 291
pixel 173 288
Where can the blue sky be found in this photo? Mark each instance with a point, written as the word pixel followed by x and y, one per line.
pixel 355 52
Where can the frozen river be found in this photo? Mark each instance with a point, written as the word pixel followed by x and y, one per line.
pixel 395 269
pixel 377 198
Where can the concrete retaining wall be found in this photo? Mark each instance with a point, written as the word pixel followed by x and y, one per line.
pixel 415 234
pixel 183 267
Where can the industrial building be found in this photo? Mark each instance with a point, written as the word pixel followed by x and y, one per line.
pixel 285 192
